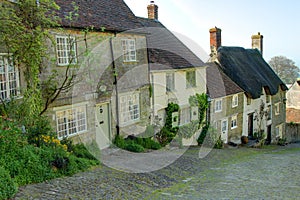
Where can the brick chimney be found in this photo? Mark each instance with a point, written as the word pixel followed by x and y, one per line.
pixel 257 42
pixel 215 40
pixel 152 10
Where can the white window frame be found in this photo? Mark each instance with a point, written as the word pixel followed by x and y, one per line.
pixel 71 121
pixel 191 80
pixel 9 78
pixel 185 115
pixel 224 125
pixel 233 122
pixel 170 82
pixel 277 108
pixel 278 131
pixel 66 50
pixel 129 108
pixel 235 100
pixel 129 50
pixel 218 105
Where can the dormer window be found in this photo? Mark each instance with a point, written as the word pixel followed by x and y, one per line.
pixel 129 50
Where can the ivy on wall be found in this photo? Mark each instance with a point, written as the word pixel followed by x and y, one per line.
pixel 200 101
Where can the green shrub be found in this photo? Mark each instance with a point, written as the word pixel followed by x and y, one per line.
pixel 281 141
pixel 8 187
pixel 37 162
pixel 41 127
pixel 202 135
pixel 219 144
pixel 133 147
pixel 80 151
pixel 119 142
pixel 136 144
pixel 165 136
pixel 147 143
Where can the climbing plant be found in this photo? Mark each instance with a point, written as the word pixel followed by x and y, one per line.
pixel 200 101
pixel 24 28
pixel 168 132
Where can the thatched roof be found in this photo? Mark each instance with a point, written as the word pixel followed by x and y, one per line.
pixel 218 83
pixel 166 49
pixel 248 69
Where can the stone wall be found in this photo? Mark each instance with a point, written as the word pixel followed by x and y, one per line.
pixel 292 133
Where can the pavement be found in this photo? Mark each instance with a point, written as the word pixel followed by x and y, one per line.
pixel 231 173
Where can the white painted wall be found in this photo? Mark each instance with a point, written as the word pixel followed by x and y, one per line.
pixel 181 94
pixel 252 108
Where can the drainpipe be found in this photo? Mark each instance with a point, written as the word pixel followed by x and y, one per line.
pixel 116 85
pixel 150 76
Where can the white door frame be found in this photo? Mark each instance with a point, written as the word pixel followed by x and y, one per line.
pixel 224 132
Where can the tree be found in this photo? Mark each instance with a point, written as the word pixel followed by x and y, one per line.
pixel 285 68
pixel 24 34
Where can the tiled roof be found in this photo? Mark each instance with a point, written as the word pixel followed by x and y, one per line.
pixel 218 83
pixel 165 49
pixel 292 115
pixel 113 15
pixel 248 69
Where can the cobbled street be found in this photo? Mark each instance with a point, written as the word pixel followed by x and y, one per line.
pixel 231 173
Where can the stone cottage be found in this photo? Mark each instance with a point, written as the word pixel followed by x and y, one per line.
pixel 264 92
pixel 110 66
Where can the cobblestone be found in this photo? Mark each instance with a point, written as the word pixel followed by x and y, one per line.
pixel 241 173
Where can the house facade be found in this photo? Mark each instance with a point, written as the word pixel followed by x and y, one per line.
pixel 176 73
pixel 226 104
pixel 293 103
pixel 264 92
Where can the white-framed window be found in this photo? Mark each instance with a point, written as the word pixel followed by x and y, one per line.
pixel 191 79
pixel 218 105
pixel 185 116
pixel 278 130
pixel 277 108
pixel 129 50
pixel 66 50
pixel 71 121
pixel 234 122
pixel 129 108
pixel 170 82
pixel 224 126
pixel 235 100
pixel 9 77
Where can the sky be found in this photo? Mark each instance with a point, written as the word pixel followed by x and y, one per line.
pixel 277 21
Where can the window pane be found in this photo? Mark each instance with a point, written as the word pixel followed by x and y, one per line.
pixel 129 50
pixel 8 78
pixel 129 108
pixel 66 50
pixel 71 121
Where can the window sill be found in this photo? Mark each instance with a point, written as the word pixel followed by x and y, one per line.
pixel 130 62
